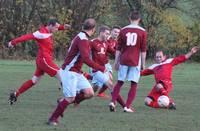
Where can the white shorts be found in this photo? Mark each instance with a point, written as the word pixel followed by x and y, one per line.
pixel 131 73
pixel 73 83
pixel 100 78
pixel 108 67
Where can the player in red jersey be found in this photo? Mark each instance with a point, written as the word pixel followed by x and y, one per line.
pixel 112 43
pixel 162 71
pixel 99 50
pixel 129 59
pixel 76 87
pixel 44 60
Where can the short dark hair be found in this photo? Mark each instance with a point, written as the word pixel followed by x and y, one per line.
pixel 89 24
pixel 103 28
pixel 135 15
pixel 116 27
pixel 52 21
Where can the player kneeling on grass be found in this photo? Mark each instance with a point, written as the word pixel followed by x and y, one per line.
pixel 162 71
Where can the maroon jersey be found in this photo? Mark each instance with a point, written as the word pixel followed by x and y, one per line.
pixel 163 71
pixel 100 50
pixel 131 42
pixel 112 43
pixel 79 53
pixel 44 41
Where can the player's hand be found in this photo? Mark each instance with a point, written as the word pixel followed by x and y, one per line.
pixel 10 45
pixel 194 49
pixel 67 26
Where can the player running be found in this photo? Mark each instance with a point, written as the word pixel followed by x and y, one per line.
pixel 76 87
pixel 44 60
pixel 162 71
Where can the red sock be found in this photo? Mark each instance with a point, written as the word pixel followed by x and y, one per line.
pixel 116 90
pixel 62 105
pixel 131 94
pixel 162 91
pixel 28 84
pixel 103 89
pixel 154 104
pixel 79 97
pixel 120 100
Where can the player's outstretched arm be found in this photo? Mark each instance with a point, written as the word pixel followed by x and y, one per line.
pixel 191 52
pixel 21 39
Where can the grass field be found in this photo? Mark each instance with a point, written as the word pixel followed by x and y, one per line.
pixel 32 109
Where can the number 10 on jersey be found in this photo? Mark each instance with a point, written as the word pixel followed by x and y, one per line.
pixel 131 39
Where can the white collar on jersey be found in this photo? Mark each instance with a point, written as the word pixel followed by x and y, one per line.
pixel 165 62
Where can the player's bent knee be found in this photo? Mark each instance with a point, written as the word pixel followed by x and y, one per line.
pixel 147 101
pixel 88 93
pixel 69 99
pixel 36 79
pixel 159 86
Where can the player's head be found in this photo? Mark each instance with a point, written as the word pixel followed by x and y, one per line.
pixel 104 33
pixel 89 26
pixel 53 25
pixel 159 56
pixel 135 16
pixel 115 32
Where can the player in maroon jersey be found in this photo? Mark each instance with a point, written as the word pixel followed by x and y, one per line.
pixel 129 59
pixel 44 60
pixel 99 50
pixel 76 87
pixel 162 71
pixel 112 43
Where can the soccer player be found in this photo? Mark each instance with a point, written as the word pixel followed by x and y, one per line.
pixel 112 43
pixel 129 59
pixel 99 49
pixel 44 60
pixel 162 71
pixel 72 77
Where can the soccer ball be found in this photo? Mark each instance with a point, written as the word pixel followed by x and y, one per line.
pixel 163 101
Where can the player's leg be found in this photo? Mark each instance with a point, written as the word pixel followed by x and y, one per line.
pixel 104 88
pixel 69 81
pixel 151 102
pixel 160 88
pixel 25 86
pixel 133 76
pixel 99 81
pixel 59 110
pixel 122 73
pixel 152 99
pixel 84 89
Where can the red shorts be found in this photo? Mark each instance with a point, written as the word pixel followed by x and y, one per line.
pixel 154 94
pixel 46 65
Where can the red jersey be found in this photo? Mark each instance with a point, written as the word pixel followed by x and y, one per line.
pixel 131 42
pixel 163 71
pixel 79 53
pixel 100 51
pixel 44 41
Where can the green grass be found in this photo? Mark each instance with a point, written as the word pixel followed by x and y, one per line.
pixel 32 109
